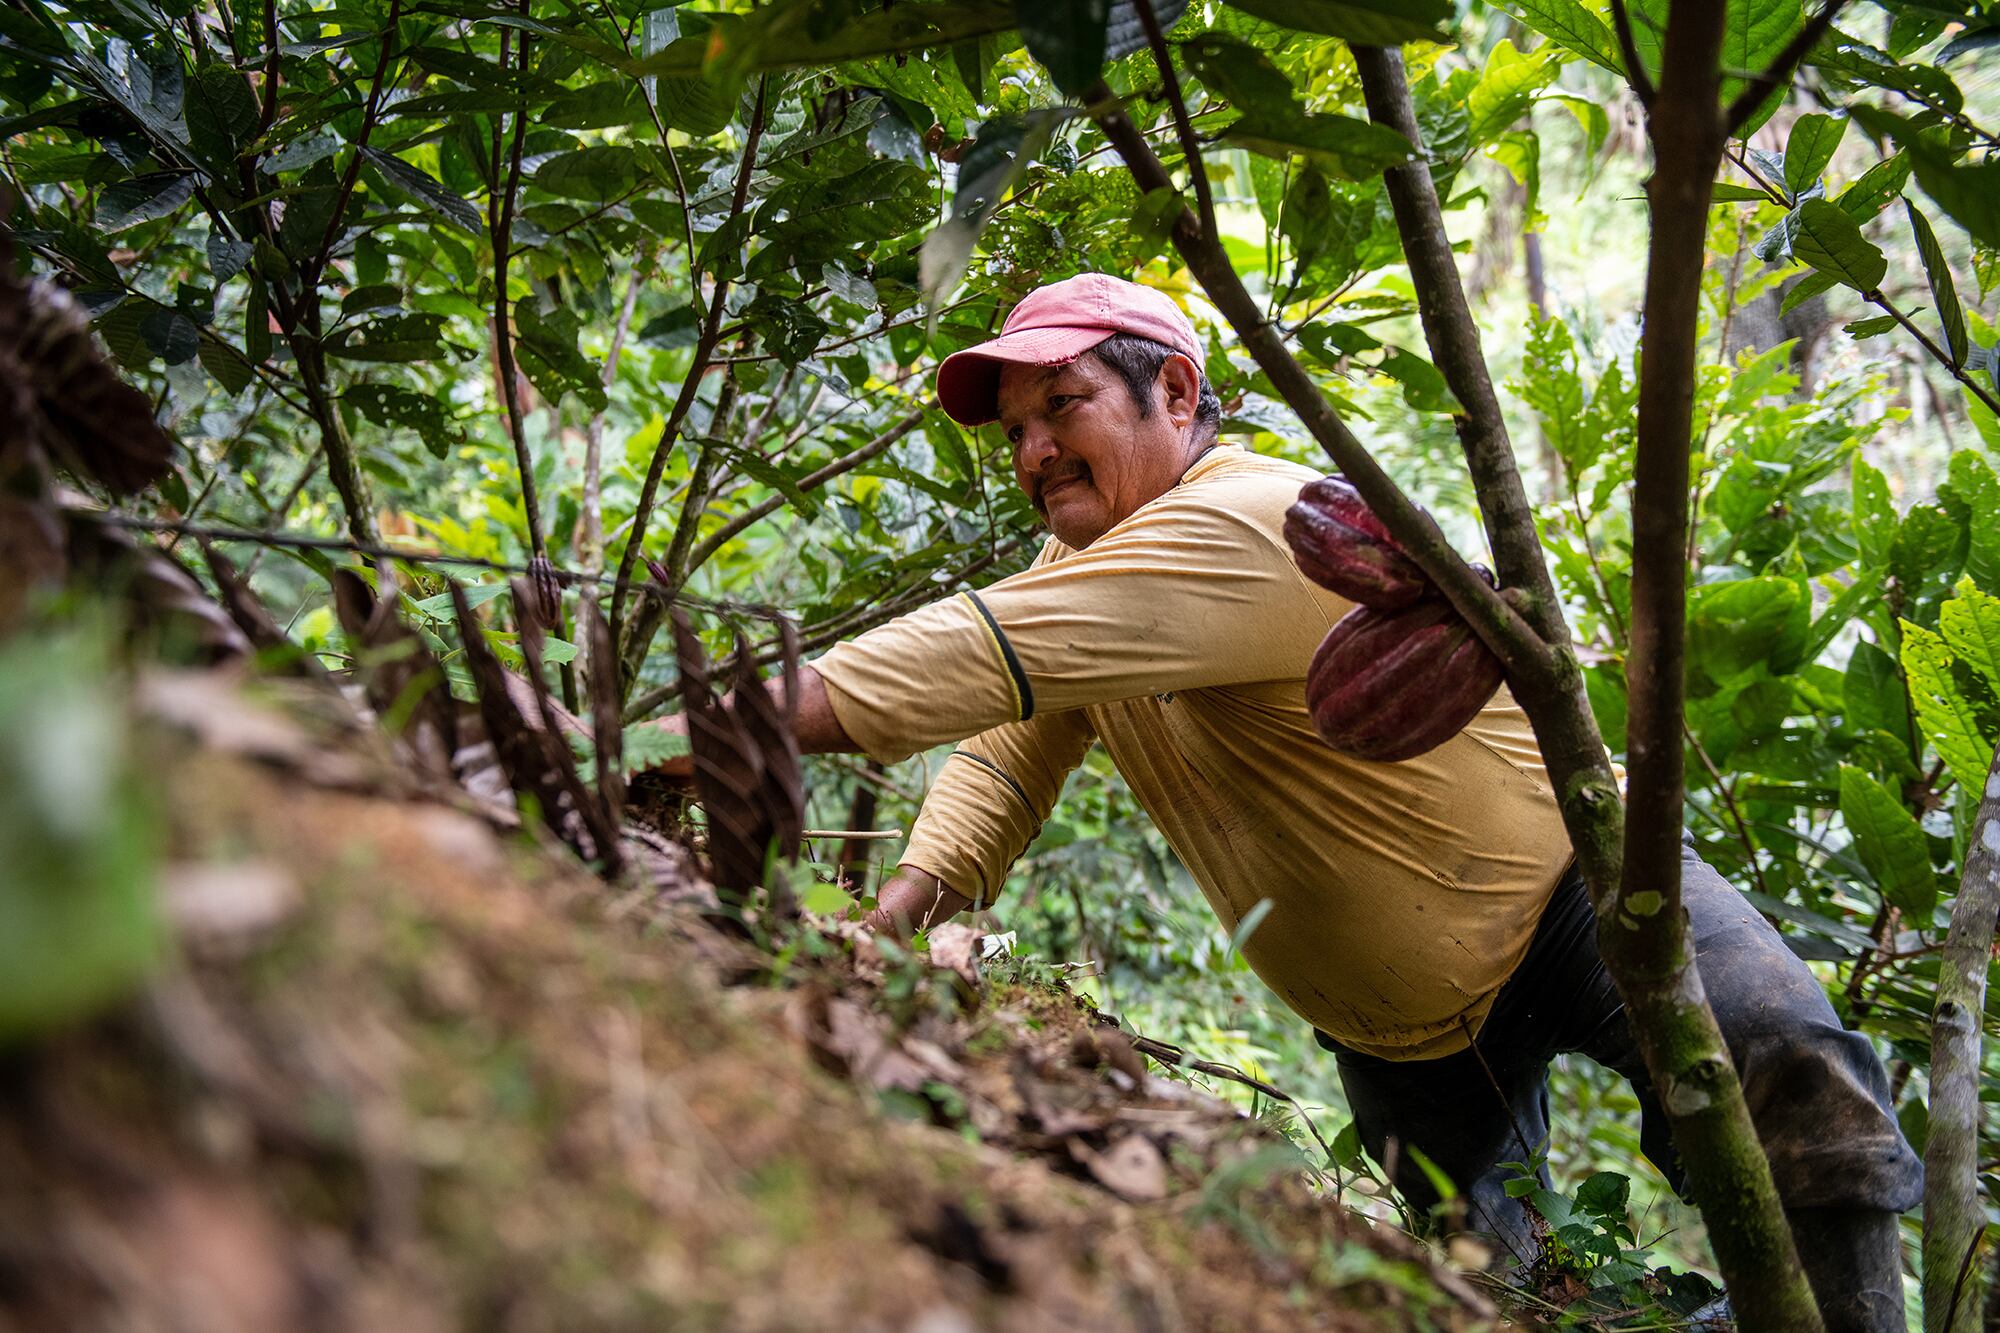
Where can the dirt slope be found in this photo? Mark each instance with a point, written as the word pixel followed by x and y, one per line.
pixel 408 1070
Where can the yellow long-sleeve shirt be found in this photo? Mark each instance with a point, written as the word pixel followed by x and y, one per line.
pixel 1402 895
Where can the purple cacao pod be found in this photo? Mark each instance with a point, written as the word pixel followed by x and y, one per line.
pixel 1340 544
pixel 1391 685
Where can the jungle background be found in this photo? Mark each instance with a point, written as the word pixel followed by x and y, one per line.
pixel 654 294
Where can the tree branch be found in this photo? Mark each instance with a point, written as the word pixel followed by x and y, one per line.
pixel 1628 51
pixel 704 348
pixel 812 481
pixel 1643 927
pixel 1954 1216
pixel 1190 149
pixel 1519 648
pixel 501 223
pixel 1938 354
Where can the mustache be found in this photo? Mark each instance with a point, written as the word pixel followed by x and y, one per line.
pixel 1055 476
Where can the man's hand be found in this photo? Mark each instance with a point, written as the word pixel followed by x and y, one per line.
pixel 911 900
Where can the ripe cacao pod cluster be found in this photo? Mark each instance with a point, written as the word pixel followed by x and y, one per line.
pixel 1401 673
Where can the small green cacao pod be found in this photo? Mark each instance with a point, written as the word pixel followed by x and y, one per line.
pixel 1340 544
pixel 1391 685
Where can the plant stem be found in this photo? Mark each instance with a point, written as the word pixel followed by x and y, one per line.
pixel 1190 149
pixel 502 223
pixel 1938 354
pixel 704 348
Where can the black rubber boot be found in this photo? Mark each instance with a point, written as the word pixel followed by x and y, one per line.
pixel 1853 1258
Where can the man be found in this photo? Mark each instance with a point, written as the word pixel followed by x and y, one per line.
pixel 1424 916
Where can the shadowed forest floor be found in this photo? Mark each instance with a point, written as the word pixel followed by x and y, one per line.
pixel 409 1069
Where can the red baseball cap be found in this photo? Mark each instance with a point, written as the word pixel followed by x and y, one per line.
pixel 1056 324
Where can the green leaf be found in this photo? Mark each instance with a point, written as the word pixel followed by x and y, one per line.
pixel 143 199
pixel 1868 328
pixel 392 406
pixel 1067 37
pixel 1943 293
pixel 172 336
pixel 1873 696
pixel 1890 844
pixel 1734 627
pixel 1605 1194
pixel 1809 148
pixel 1945 717
pixel 1724 192
pixel 1338 145
pixel 598 174
pixel 1572 27
pixel 426 190
pixel 783 35
pixel 1970 625
pixel 412 337
pixel 1874 514
pixel 227 258
pixel 546 345
pixel 1973 484
pixel 1969 194
pixel 1831 242
pixel 1928 549
pixel 1506 88
pixel 1423 386
pixel 1757 30
pixel 1369 22
pixel 1876 186
pixel 1240 73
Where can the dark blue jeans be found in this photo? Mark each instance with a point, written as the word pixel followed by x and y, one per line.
pixel 1817 1093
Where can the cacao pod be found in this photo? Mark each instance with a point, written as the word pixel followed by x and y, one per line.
pixel 1391 685
pixel 1340 544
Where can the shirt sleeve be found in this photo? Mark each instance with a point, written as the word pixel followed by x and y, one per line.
pixel 990 800
pixel 1183 594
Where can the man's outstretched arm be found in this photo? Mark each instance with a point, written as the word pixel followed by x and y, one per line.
pixel 911 900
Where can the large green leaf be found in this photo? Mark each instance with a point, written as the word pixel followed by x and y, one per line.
pixel 1938 271
pixel 1809 148
pixel 598 174
pixel 794 32
pixel 1506 88
pixel 1970 625
pixel 1572 27
pixel 1970 194
pixel 1241 73
pixel 1831 242
pixel 1890 843
pixel 1974 486
pixel 1369 22
pixel 426 190
pixel 1736 626
pixel 1757 31
pixel 1873 696
pixel 1338 145
pixel 1067 37
pixel 1944 715
pixel 1874 514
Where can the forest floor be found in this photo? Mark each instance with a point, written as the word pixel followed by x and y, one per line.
pixel 409 1069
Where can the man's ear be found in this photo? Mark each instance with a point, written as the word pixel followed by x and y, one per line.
pixel 1180 386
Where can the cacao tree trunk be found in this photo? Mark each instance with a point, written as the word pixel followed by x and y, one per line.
pixel 1642 927
pixel 1954 1214
pixel 1647 952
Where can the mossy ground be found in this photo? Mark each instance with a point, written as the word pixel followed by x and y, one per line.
pixel 448 1079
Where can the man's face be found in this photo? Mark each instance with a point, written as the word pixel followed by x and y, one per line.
pixel 1083 453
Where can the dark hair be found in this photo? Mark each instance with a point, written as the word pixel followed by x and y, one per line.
pixel 1137 361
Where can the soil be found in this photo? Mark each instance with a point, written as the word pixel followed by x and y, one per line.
pixel 408 1068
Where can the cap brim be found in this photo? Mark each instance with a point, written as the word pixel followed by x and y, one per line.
pixel 968 383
